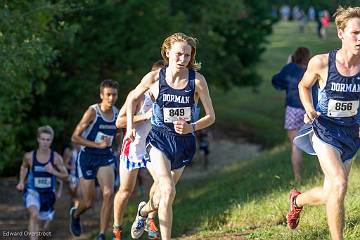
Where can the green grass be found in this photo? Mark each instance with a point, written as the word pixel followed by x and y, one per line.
pixel 251 197
pixel 261 112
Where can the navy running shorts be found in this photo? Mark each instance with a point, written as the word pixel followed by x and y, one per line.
pixel 345 139
pixel 179 149
pixel 89 164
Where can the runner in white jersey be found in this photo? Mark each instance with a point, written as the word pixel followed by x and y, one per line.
pixel 132 158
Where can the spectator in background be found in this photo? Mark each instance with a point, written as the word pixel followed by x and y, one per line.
pixel 318 24
pixel 288 79
pixel 325 22
pixel 296 13
pixel 303 20
pixel 311 13
pixel 285 12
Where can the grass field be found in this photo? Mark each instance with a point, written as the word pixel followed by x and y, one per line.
pixel 249 199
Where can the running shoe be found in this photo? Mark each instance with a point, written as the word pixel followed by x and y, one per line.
pixel 101 236
pixel 75 226
pixel 151 229
pixel 116 234
pixel 138 226
pixel 294 212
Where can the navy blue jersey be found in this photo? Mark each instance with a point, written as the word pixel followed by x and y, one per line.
pixel 288 79
pixel 339 99
pixel 39 179
pixel 173 104
pixel 99 129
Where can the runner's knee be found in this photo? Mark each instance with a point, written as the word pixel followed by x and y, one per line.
pixel 168 192
pixel 124 193
pixel 340 184
pixel 107 194
pixel 34 213
pixel 88 203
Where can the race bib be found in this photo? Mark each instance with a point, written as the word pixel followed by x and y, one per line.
pixel 42 182
pixel 338 108
pixel 101 136
pixel 174 114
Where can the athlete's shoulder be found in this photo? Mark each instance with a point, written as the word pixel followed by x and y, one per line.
pixel 150 78
pixel 115 109
pixel 91 110
pixel 93 107
pixel 27 159
pixel 319 61
pixel 200 79
pixel 57 157
pixel 89 115
pixel 28 155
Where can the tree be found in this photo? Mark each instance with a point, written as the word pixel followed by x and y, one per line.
pixel 232 36
pixel 57 52
pixel 26 49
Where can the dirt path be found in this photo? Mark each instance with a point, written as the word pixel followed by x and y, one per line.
pixel 13 216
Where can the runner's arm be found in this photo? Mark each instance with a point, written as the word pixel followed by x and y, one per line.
pixel 86 120
pixel 67 157
pixel 145 84
pixel 202 89
pixel 59 188
pixel 311 76
pixel 23 171
pixel 121 120
pixel 59 170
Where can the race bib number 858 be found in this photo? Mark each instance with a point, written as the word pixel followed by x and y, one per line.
pixel 174 114
pixel 338 108
pixel 101 136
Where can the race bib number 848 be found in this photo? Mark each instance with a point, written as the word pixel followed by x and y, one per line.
pixel 174 114
pixel 338 108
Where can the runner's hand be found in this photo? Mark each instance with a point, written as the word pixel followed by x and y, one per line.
pixel 105 143
pixel 148 114
pixel 130 135
pixel 182 127
pixel 49 168
pixel 20 186
pixel 309 117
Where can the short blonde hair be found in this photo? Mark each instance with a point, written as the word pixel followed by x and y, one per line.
pixel 343 15
pixel 181 37
pixel 45 129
